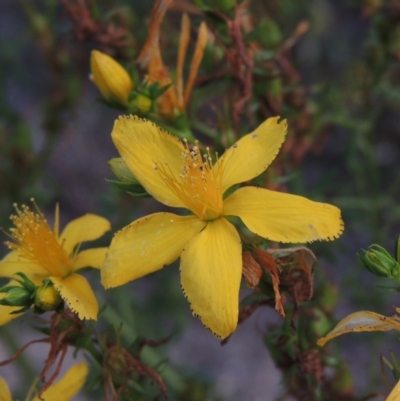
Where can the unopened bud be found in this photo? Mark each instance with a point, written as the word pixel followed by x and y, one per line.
pixel 121 171
pixel 16 296
pixel 141 104
pixel 379 262
pixel 20 294
pixel 110 77
pixel 47 297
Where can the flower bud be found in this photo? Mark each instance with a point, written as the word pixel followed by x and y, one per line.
pixel 121 171
pixel 16 296
pixel 379 262
pixel 141 104
pixel 47 297
pixel 20 294
pixel 110 77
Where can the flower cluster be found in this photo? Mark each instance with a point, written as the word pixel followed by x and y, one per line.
pixel 222 234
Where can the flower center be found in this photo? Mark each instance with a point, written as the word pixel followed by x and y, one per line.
pixel 199 183
pixel 35 241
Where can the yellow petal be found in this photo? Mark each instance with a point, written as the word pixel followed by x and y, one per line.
pixel 283 217
pixel 5 312
pixel 6 316
pixel 142 144
pixel 86 228
pixel 253 153
pixel 5 394
pixel 211 270
pixel 110 77
pixel 362 321
pixel 77 293
pixel 12 263
pixel 147 245
pixel 68 386
pixel 90 258
pixel 395 393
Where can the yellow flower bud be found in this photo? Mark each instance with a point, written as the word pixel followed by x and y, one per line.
pixel 110 77
pixel 47 298
pixel 141 103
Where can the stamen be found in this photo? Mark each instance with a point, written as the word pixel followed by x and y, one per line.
pixel 33 240
pixel 198 184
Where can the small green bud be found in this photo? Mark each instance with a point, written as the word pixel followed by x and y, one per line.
pixel 121 171
pixel 379 262
pixel 397 249
pixel 128 181
pixel 16 296
pixel 20 294
pixel 142 104
pixel 47 297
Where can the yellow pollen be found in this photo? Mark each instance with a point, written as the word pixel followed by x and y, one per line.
pixel 198 184
pixel 32 239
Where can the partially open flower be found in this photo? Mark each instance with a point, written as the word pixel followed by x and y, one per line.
pixel 112 80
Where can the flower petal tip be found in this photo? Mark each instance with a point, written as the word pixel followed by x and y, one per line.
pixel 222 331
pixel 335 230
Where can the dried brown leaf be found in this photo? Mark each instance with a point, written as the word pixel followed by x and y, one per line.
pixel 252 271
pixel 296 271
pixel 267 262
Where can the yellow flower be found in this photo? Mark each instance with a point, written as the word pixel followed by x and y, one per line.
pixel 68 386
pixel 207 243
pixel 110 77
pixel 41 253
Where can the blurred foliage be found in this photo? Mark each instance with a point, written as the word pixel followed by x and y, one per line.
pixel 332 68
